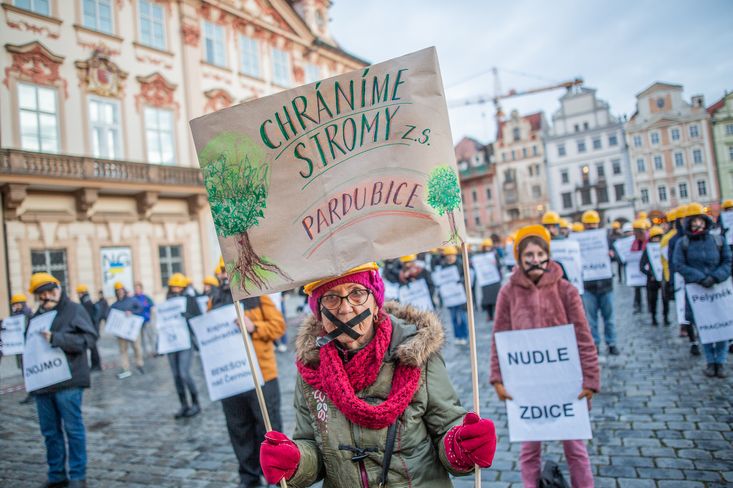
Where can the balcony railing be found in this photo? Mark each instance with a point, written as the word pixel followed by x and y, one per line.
pixel 63 166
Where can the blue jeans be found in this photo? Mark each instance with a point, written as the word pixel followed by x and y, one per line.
pixel 180 363
pixel 459 319
pixel 716 352
pixel 63 408
pixel 603 302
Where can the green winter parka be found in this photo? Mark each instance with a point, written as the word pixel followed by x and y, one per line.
pixel 419 458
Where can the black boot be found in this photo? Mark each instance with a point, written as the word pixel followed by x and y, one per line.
pixel 666 321
pixel 184 406
pixel 195 407
pixel 720 371
pixel 711 370
pixel 654 321
pixel 695 349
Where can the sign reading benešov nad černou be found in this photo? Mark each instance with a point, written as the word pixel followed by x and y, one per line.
pixel 312 181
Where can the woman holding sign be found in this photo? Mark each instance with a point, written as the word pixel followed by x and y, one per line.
pixel 537 296
pixel 654 285
pixel 373 401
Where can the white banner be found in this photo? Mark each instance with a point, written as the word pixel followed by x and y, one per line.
pixel 634 276
pixel 11 337
pixel 391 290
pixel 679 298
pixel 116 266
pixel 203 303
pixel 509 255
pixel 223 354
pixel 623 247
pixel 541 371
pixel 713 310
pixel 120 325
pixel 726 218
pixel 654 253
pixel 446 274
pixel 594 254
pixel 487 269
pixel 417 294
pixel 567 253
pixel 43 365
pixel 173 332
pixel 452 294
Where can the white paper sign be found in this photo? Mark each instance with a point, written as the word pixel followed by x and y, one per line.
pixel 203 302
pixel 509 255
pixel 487 270
pixel 634 276
pixel 594 254
pixel 223 354
pixel 726 218
pixel 567 253
pixel 446 274
pixel 391 290
pixel 417 294
pixel 679 298
pixel 120 325
pixel 43 365
pixel 11 337
pixel 623 247
pixel 173 332
pixel 713 310
pixel 654 253
pixel 116 266
pixel 665 252
pixel 542 373
pixel 452 294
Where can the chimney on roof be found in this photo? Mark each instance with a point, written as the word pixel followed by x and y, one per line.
pixel 698 101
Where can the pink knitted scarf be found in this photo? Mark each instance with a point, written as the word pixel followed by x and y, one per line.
pixel 340 381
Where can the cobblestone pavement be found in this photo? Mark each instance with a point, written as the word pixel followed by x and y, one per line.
pixel 657 423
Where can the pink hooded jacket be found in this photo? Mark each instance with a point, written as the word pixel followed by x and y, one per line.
pixel 552 301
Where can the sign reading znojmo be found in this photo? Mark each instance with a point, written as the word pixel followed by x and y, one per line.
pixel 713 310
pixel 312 181
pixel 541 371
pixel 43 364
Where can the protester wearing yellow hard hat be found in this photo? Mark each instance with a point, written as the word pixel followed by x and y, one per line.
pixel 43 282
pixel 653 284
pixel 577 227
pixel 591 219
pixel 551 221
pixel 129 305
pixel 18 298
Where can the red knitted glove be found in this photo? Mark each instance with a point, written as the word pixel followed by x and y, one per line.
pixel 279 457
pixel 474 442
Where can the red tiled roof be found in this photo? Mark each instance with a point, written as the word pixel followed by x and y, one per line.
pixel 467 148
pixel 717 105
pixel 535 122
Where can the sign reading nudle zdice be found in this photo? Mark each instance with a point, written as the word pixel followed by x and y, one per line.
pixel 312 181
pixel 541 371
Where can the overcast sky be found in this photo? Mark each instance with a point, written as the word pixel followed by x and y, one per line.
pixel 618 47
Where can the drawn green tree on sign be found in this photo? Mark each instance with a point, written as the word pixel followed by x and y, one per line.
pixel 444 196
pixel 237 179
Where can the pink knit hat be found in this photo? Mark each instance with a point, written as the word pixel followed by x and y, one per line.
pixel 369 279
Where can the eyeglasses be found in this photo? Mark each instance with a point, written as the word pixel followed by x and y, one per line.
pixel 357 296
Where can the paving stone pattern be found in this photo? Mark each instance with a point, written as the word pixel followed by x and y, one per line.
pixel 657 423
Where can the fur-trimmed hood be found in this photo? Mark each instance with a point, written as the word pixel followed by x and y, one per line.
pixel 416 336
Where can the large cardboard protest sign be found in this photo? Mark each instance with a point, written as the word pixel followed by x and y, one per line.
pixel 713 310
pixel 312 181
pixel 679 298
pixel 223 356
pixel 567 253
pixel 43 364
pixel 542 373
pixel 417 294
pixel 446 274
pixel 172 327
pixel 487 269
pixel 623 247
pixel 726 218
pixel 121 325
pixel 11 335
pixel 654 254
pixel 203 303
pixel 634 276
pixel 594 254
pixel 116 266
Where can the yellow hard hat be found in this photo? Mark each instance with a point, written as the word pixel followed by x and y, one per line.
pixel 616 225
pixel 591 217
pixel 40 279
pixel 310 287
pixel 577 227
pixel 211 280
pixel 694 209
pixel 642 215
pixel 530 230
pixel 639 224
pixel 118 285
pixel 221 267
pixel 655 231
pixel 551 218
pixel 672 215
pixel 18 298
pixel 178 279
pixel 488 242
pixel 408 258
pixel 564 223
pixel 449 251
pixel 728 203
pixel 82 289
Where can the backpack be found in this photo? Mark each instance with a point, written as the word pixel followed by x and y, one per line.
pixel 551 477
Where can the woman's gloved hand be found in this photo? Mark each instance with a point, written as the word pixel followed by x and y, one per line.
pixel 279 457
pixel 474 442
pixel 708 281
